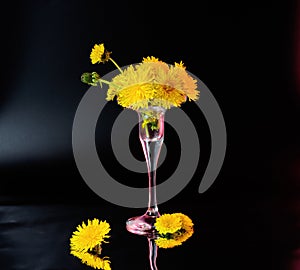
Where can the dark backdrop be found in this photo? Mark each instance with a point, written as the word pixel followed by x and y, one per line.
pixel 245 52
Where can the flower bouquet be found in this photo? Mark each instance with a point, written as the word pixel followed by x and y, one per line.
pixel 150 88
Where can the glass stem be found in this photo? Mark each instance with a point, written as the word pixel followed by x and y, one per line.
pixel 152 253
pixel 151 151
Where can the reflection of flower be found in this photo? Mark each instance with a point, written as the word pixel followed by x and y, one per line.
pixel 173 229
pixel 86 243
pixel 93 260
pixel 150 83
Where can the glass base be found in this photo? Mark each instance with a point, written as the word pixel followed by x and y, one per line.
pixel 142 225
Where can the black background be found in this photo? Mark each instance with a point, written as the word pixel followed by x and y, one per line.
pixel 245 52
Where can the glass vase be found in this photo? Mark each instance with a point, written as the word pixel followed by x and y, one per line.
pixel 151 135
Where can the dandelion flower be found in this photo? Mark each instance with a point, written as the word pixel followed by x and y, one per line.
pixel 180 64
pixel 168 223
pixel 93 260
pixel 149 83
pixel 86 243
pixel 97 53
pixel 89 235
pixel 150 59
pixel 152 82
pixel 173 230
pixel 167 243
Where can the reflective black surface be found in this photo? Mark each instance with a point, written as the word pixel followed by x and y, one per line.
pixel 245 52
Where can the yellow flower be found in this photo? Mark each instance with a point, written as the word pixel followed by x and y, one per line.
pixel 168 223
pixel 86 243
pixel 150 59
pixel 167 243
pixel 88 236
pixel 173 229
pixel 99 54
pixel 93 260
pixel 186 221
pixel 149 83
pixel 152 83
pixel 180 64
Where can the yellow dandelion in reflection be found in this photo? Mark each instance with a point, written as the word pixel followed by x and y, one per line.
pixel 167 243
pixel 86 241
pixel 93 260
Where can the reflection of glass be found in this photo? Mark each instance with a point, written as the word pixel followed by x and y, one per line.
pixel 151 134
pixel 152 253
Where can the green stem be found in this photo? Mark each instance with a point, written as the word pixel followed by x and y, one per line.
pixel 116 65
pixel 104 81
pixel 146 129
pixel 107 82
